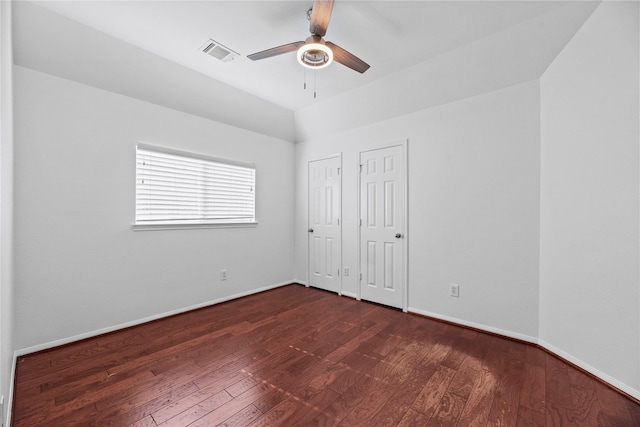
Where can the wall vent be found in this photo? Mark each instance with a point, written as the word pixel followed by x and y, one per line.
pixel 218 51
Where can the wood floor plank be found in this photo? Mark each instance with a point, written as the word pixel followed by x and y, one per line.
pixel 535 356
pixel 242 418
pixel 613 410
pixel 458 353
pixel 137 409
pixel 28 401
pixel 202 409
pixel 468 371
pixel 476 410
pixel 504 407
pixel 389 374
pixel 400 401
pixel 558 392
pixel 325 375
pixel 222 413
pixel 530 418
pixel 634 411
pixel 405 359
pixel 532 394
pixel 448 411
pixel 209 377
pixel 145 422
pixel 349 399
pixel 429 398
pixel 584 400
pixel 414 418
pixel 297 356
pixel 282 370
pixel 292 411
pixel 187 402
pixel 89 398
pixel 77 416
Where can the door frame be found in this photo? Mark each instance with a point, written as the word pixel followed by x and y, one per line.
pixel 405 241
pixel 333 156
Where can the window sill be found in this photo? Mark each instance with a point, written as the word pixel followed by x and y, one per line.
pixel 167 226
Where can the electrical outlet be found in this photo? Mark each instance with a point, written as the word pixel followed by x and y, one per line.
pixel 346 271
pixel 223 275
pixel 454 290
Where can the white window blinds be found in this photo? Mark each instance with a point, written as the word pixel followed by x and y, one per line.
pixel 173 187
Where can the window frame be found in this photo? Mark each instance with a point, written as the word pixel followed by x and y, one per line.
pixel 175 224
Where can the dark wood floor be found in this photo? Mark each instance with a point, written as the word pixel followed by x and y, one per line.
pixel 300 356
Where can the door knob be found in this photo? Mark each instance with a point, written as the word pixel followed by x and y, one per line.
pixel 398 235
pixel 311 230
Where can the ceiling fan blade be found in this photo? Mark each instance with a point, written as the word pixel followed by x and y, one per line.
pixel 275 51
pixel 320 16
pixel 347 59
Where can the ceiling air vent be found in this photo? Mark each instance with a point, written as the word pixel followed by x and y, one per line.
pixel 218 51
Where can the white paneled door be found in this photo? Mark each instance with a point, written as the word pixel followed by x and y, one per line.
pixel 382 227
pixel 325 245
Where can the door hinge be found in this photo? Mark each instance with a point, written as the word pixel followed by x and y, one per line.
pixel 338 171
pixel 360 222
pixel 361 277
pixel 361 168
pixel 338 272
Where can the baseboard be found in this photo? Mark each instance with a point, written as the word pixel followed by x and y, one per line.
pixel 343 294
pixel 349 294
pixel 9 398
pixel 551 349
pixel 610 381
pixel 480 326
pixel 57 343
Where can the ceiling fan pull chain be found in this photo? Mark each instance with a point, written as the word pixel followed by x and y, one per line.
pixel 305 79
pixel 314 84
pixel 314 52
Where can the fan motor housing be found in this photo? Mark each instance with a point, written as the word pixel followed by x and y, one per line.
pixel 315 53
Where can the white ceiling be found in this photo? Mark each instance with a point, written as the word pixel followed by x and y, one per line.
pixel 389 35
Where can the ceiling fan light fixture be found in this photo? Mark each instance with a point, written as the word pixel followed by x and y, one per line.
pixel 314 52
pixel 315 55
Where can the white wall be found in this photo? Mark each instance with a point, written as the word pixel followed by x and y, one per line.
pixel 6 204
pixel 473 206
pixel 589 279
pixel 86 55
pixel 79 266
pixel 543 241
pixel 515 55
pixel 528 196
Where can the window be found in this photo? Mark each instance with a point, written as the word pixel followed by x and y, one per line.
pixel 174 188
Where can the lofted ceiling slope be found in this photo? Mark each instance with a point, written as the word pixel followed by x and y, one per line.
pixel 150 50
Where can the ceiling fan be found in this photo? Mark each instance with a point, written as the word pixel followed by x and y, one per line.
pixel 314 52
